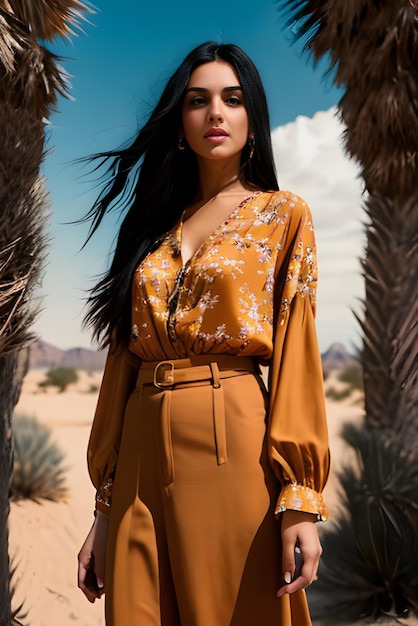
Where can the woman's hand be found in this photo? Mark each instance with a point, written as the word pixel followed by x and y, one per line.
pixel 299 527
pixel 91 559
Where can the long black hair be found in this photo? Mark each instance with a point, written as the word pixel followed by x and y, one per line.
pixel 152 182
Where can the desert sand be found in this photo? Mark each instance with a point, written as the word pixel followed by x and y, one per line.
pixel 45 538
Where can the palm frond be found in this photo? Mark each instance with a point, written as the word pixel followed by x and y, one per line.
pixel 373 47
pixel 31 76
pixel 9 40
pixel 46 19
pixel 369 563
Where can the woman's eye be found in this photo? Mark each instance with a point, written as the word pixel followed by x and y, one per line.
pixel 197 101
pixel 234 100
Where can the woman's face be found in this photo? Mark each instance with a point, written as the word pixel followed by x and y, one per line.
pixel 214 117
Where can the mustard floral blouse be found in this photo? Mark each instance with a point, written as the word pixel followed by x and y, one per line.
pixel 248 290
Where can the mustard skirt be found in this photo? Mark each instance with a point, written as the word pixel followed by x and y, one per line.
pixel 192 536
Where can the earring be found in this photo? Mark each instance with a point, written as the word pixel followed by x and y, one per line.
pixel 251 145
pixel 180 144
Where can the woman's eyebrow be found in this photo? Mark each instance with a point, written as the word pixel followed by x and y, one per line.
pixel 205 90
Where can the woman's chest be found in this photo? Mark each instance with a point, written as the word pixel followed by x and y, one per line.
pixel 243 249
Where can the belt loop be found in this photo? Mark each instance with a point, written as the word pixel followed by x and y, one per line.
pixel 218 415
pixel 166 458
pixel 216 379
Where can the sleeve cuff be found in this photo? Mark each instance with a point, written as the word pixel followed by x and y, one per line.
pixel 104 497
pixel 300 498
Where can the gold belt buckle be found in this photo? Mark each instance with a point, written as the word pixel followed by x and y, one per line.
pixel 164 375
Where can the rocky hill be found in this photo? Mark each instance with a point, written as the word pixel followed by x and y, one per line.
pixel 337 357
pixel 44 355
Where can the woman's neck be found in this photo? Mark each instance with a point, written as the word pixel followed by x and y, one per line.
pixel 216 176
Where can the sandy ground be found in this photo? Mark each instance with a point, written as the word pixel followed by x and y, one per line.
pixel 45 538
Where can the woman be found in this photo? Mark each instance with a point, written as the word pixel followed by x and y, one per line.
pixel 205 481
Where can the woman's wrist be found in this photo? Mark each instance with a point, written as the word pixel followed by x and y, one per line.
pixel 295 517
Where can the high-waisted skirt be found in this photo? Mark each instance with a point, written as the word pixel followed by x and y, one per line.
pixel 192 538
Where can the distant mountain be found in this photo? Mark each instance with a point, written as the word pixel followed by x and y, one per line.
pixel 337 357
pixel 44 355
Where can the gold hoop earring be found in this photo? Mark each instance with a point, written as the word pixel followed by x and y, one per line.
pixel 180 144
pixel 251 145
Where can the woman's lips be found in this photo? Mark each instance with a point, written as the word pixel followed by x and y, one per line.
pixel 216 135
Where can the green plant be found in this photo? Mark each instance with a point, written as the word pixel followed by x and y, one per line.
pixel 38 470
pixel 337 395
pixel 60 377
pixel 369 564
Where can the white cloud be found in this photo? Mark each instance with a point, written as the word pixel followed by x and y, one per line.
pixel 311 162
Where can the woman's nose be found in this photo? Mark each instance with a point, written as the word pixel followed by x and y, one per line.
pixel 215 116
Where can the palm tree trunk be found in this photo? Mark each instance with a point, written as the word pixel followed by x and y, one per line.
pixel 7 373
pixel 29 82
pixel 12 371
pixel 390 322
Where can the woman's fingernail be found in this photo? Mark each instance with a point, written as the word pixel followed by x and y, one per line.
pixel 287 577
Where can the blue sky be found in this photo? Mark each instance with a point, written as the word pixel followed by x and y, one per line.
pixel 119 66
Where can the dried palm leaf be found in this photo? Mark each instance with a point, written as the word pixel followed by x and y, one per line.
pixel 373 49
pixel 30 75
pixel 9 40
pixel 47 19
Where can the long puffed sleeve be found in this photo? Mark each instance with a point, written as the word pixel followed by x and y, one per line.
pixel 118 381
pixel 297 434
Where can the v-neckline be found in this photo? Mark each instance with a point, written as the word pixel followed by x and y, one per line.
pixel 179 229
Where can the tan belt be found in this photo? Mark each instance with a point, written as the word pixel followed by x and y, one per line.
pixel 212 369
pixel 167 374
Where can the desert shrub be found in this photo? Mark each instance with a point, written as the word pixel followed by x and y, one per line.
pixel 353 376
pixel 368 567
pixel 38 462
pixel 60 377
pixel 338 394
